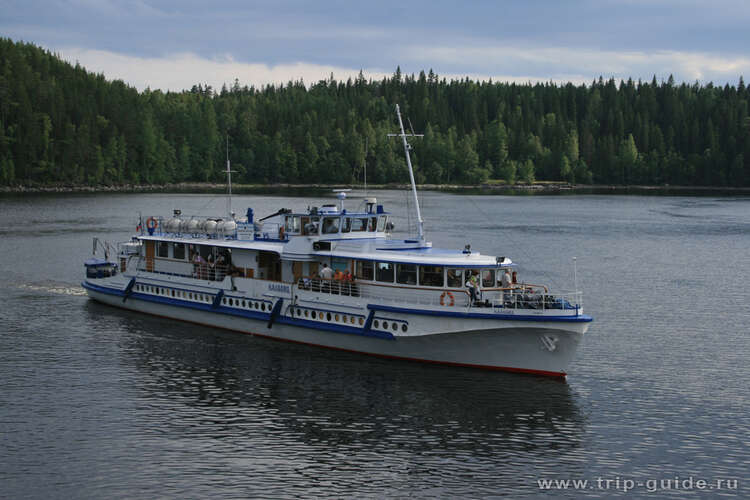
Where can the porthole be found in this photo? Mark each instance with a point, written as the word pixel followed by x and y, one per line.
pixel 336 317
pixel 404 328
pixel 172 293
pixel 256 305
pixel 352 320
pixel 328 316
pixel 385 325
pixel 231 302
pixel 306 313
pixel 224 301
pixel 312 314
pixel 263 306
pixel 361 321
pixel 394 326
pixel 343 318
pixel 376 324
pixel 243 303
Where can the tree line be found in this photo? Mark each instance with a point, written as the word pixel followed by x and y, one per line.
pixel 61 124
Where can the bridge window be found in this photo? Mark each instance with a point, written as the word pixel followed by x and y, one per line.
pixel 162 249
pixel 406 274
pixel 455 278
pixel 330 225
pixel 373 224
pixel 364 270
pixel 384 272
pixel 359 224
pixel 381 223
pixel 430 276
pixel 347 225
pixel 291 224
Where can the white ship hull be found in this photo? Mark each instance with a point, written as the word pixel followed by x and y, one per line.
pixel 543 347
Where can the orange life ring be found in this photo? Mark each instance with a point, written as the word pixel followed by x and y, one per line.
pixel 450 296
pixel 151 223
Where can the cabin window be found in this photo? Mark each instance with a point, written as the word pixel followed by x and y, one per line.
pixel 347 225
pixel 455 278
pixel 381 223
pixel 178 251
pixel 162 249
pixel 359 225
pixel 384 272
pixel 373 224
pixel 330 225
pixel 406 274
pixel 488 278
pixel 364 270
pixel 430 276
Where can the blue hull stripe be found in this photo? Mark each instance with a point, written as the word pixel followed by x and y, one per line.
pixel 242 313
pixel 582 318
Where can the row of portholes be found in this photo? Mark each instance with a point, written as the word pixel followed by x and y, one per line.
pixel 247 304
pixel 168 292
pixel 393 325
pixel 327 316
pixel 202 297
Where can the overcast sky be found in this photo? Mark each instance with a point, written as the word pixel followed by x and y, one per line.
pixel 176 44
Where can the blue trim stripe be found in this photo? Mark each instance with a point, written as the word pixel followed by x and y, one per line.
pixel 315 325
pixel 583 318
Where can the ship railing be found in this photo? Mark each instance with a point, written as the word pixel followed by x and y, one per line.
pixel 535 298
pixel 387 293
pixel 208 272
pixel 330 286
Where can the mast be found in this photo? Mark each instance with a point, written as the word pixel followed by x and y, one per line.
pixel 407 147
pixel 229 184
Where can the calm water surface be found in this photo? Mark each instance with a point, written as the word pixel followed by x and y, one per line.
pixel 97 402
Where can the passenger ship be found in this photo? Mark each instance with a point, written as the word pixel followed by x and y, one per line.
pixel 395 298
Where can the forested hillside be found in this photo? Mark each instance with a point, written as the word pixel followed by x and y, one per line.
pixel 62 124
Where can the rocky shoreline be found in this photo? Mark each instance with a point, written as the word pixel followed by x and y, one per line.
pixel 198 187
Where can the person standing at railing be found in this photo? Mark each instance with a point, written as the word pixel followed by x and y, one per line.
pixel 505 283
pixel 220 267
pixel 326 273
pixel 199 266
pixel 473 285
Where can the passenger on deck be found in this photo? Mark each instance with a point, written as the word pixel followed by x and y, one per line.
pixel 473 285
pixel 514 279
pixel 211 266
pixel 506 280
pixel 220 267
pixel 325 272
pixel 199 266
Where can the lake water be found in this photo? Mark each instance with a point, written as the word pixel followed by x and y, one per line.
pixel 97 402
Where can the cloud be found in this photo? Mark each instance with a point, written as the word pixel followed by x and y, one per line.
pixel 181 71
pixel 575 64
